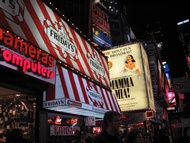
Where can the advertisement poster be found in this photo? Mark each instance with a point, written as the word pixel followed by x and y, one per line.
pixel 100 24
pixel 130 77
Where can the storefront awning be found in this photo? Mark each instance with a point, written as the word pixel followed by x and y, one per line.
pixel 74 94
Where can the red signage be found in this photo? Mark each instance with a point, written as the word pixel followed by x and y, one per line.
pixel 26 64
pixel 25 56
pixel 24 48
pixel 58 120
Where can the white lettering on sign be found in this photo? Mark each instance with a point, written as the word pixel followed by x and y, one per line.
pixel 62 130
pixel 54 103
pixel 69 102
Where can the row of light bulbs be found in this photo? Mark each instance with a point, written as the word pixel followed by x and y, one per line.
pixel 92 43
pixel 76 28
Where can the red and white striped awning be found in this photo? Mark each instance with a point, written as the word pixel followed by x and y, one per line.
pixel 77 95
pixel 36 23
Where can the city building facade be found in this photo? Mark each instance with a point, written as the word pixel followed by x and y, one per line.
pixel 54 80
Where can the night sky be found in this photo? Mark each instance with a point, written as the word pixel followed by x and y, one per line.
pixel 139 14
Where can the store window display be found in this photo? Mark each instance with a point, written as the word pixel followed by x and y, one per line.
pixel 17 113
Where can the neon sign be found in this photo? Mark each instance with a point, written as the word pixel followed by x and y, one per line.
pixel 26 64
pixel 58 120
pixel 38 61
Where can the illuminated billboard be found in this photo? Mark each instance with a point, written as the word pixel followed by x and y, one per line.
pixel 171 99
pixel 130 77
pixel 166 67
pixel 100 27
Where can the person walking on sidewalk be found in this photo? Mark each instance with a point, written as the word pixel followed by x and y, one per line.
pixel 110 132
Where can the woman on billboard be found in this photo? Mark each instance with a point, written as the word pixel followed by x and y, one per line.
pixel 130 65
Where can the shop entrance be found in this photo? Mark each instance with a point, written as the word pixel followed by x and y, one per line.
pixel 17 112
